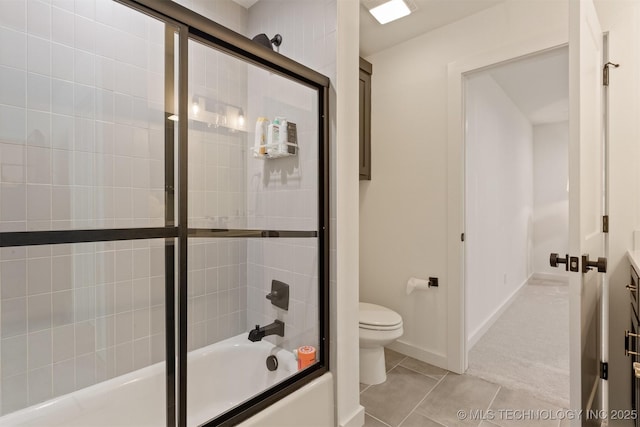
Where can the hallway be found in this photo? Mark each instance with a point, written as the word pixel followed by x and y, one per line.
pixel 527 348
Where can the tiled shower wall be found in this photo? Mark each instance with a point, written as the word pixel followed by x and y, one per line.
pixel 81 146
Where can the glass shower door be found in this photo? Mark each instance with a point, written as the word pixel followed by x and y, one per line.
pixel 85 218
pixel 254 259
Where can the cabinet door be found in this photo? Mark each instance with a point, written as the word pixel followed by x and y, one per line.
pixel 365 124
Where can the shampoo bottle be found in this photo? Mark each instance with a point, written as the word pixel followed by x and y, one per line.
pixel 283 137
pixel 273 137
pixel 260 148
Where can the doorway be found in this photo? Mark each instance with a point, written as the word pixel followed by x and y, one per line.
pixel 516 213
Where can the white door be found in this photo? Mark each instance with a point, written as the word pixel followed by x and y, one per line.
pixel 586 204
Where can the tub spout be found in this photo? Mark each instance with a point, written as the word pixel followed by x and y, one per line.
pixel 276 328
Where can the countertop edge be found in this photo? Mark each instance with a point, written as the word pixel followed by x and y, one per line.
pixel 634 259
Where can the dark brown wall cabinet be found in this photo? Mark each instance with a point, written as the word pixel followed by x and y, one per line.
pixel 365 119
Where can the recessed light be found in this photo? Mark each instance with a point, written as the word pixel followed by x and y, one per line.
pixel 390 11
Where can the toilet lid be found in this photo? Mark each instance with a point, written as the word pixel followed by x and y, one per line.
pixel 376 315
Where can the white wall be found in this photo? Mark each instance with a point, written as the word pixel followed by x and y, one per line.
pixel 344 287
pixel 499 201
pixel 550 196
pixel 405 205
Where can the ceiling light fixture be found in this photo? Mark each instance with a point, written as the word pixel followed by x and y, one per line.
pixel 390 11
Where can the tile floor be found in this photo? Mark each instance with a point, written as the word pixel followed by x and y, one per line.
pixel 417 394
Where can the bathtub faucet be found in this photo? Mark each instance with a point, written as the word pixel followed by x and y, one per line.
pixel 276 328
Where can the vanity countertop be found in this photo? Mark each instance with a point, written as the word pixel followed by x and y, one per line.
pixel 634 259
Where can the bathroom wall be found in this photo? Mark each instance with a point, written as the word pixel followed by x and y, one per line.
pixel 409 151
pixel 550 196
pixel 81 106
pixel 499 201
pixel 225 12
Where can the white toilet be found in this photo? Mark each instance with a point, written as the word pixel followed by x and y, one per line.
pixel 379 326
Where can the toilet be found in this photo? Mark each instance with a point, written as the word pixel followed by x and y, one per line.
pixel 379 326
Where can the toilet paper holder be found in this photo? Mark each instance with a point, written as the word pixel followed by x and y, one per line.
pixel 415 283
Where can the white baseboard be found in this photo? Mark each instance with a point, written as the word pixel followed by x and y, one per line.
pixel 475 336
pixel 435 359
pixel 355 420
pixel 551 277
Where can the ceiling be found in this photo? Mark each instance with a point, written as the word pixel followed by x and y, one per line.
pixel 431 14
pixel 538 85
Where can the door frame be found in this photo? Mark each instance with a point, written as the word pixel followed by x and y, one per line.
pixel 456 71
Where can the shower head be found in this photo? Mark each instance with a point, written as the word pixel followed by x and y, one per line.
pixel 264 40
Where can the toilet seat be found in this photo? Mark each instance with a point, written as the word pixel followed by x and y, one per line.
pixel 378 318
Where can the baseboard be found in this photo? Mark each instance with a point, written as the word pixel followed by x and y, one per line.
pixel 355 420
pixel 435 359
pixel 551 277
pixel 484 327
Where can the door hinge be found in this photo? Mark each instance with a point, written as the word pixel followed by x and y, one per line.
pixel 605 223
pixel 605 73
pixel 604 370
pixel 462 237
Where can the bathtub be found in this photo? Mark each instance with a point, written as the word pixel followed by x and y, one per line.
pixel 219 377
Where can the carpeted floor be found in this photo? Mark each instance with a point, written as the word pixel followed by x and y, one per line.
pixel 527 348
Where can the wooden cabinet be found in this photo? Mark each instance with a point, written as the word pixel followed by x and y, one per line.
pixel 631 342
pixel 365 119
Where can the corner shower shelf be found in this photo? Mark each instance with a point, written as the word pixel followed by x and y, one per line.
pixel 275 153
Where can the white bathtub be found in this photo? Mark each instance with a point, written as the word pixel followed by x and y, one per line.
pixel 219 377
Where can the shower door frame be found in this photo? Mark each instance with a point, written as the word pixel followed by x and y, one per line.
pixel 188 25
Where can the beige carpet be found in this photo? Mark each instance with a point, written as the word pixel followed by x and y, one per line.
pixel 527 348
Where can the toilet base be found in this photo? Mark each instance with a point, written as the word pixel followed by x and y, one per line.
pixel 372 368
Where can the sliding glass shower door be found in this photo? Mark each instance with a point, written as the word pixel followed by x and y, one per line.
pixel 85 213
pixel 253 231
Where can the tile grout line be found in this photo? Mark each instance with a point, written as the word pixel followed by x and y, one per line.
pixel 380 421
pixel 390 369
pixel 398 364
pixel 422 400
pixel 493 399
pixel 433 377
